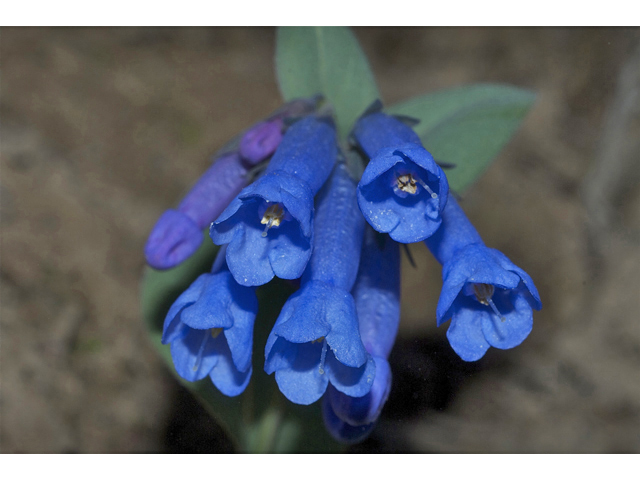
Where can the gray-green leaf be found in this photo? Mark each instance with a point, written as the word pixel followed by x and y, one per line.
pixel 467 126
pixel 326 60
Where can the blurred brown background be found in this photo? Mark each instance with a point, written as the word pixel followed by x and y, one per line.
pixel 103 129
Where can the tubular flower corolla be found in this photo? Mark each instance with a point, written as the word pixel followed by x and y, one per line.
pixel 210 329
pixel 315 340
pixel 269 226
pixel 402 191
pixel 488 299
pixel 178 233
pixel 377 296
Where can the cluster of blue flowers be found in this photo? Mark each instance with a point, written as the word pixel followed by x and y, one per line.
pixel 305 217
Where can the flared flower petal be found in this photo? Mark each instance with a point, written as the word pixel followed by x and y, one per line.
pixel 315 341
pixel 465 332
pixel 210 328
pixel 402 191
pixel 259 250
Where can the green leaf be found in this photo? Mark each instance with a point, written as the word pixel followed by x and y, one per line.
pixel 327 60
pixel 467 126
pixel 261 419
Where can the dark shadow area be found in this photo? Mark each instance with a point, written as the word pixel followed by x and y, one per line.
pixel 427 374
pixel 191 429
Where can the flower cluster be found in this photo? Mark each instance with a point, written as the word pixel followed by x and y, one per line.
pixel 305 217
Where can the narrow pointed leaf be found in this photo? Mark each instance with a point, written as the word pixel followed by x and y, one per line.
pixel 326 60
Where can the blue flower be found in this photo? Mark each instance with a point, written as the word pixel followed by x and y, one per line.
pixel 402 190
pixel 489 299
pixel 269 225
pixel 210 329
pixel 377 296
pixel 178 233
pixel 316 339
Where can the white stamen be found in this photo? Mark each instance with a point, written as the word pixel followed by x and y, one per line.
pixel 483 293
pixel 323 355
pixel 196 366
pixel 495 309
pixel 267 227
pixel 426 187
pixel 272 217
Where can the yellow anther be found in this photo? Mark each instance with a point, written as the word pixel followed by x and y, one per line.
pixel 407 183
pixel 215 332
pixel 318 340
pixel 272 217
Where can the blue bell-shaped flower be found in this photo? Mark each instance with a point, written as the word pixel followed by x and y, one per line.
pixel 488 299
pixel 402 191
pixel 269 225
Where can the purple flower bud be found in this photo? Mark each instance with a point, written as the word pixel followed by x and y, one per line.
pixel 261 141
pixel 178 233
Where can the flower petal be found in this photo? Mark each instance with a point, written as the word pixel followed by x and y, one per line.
pixel 187 359
pixel 302 382
pixel 225 376
pixel 472 264
pixel 406 217
pixel 509 265
pixel 211 308
pixel 240 336
pixel 248 257
pixel 518 320
pixel 289 251
pixel 465 332
pixel 352 381
pixel 173 326
pixel 366 409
